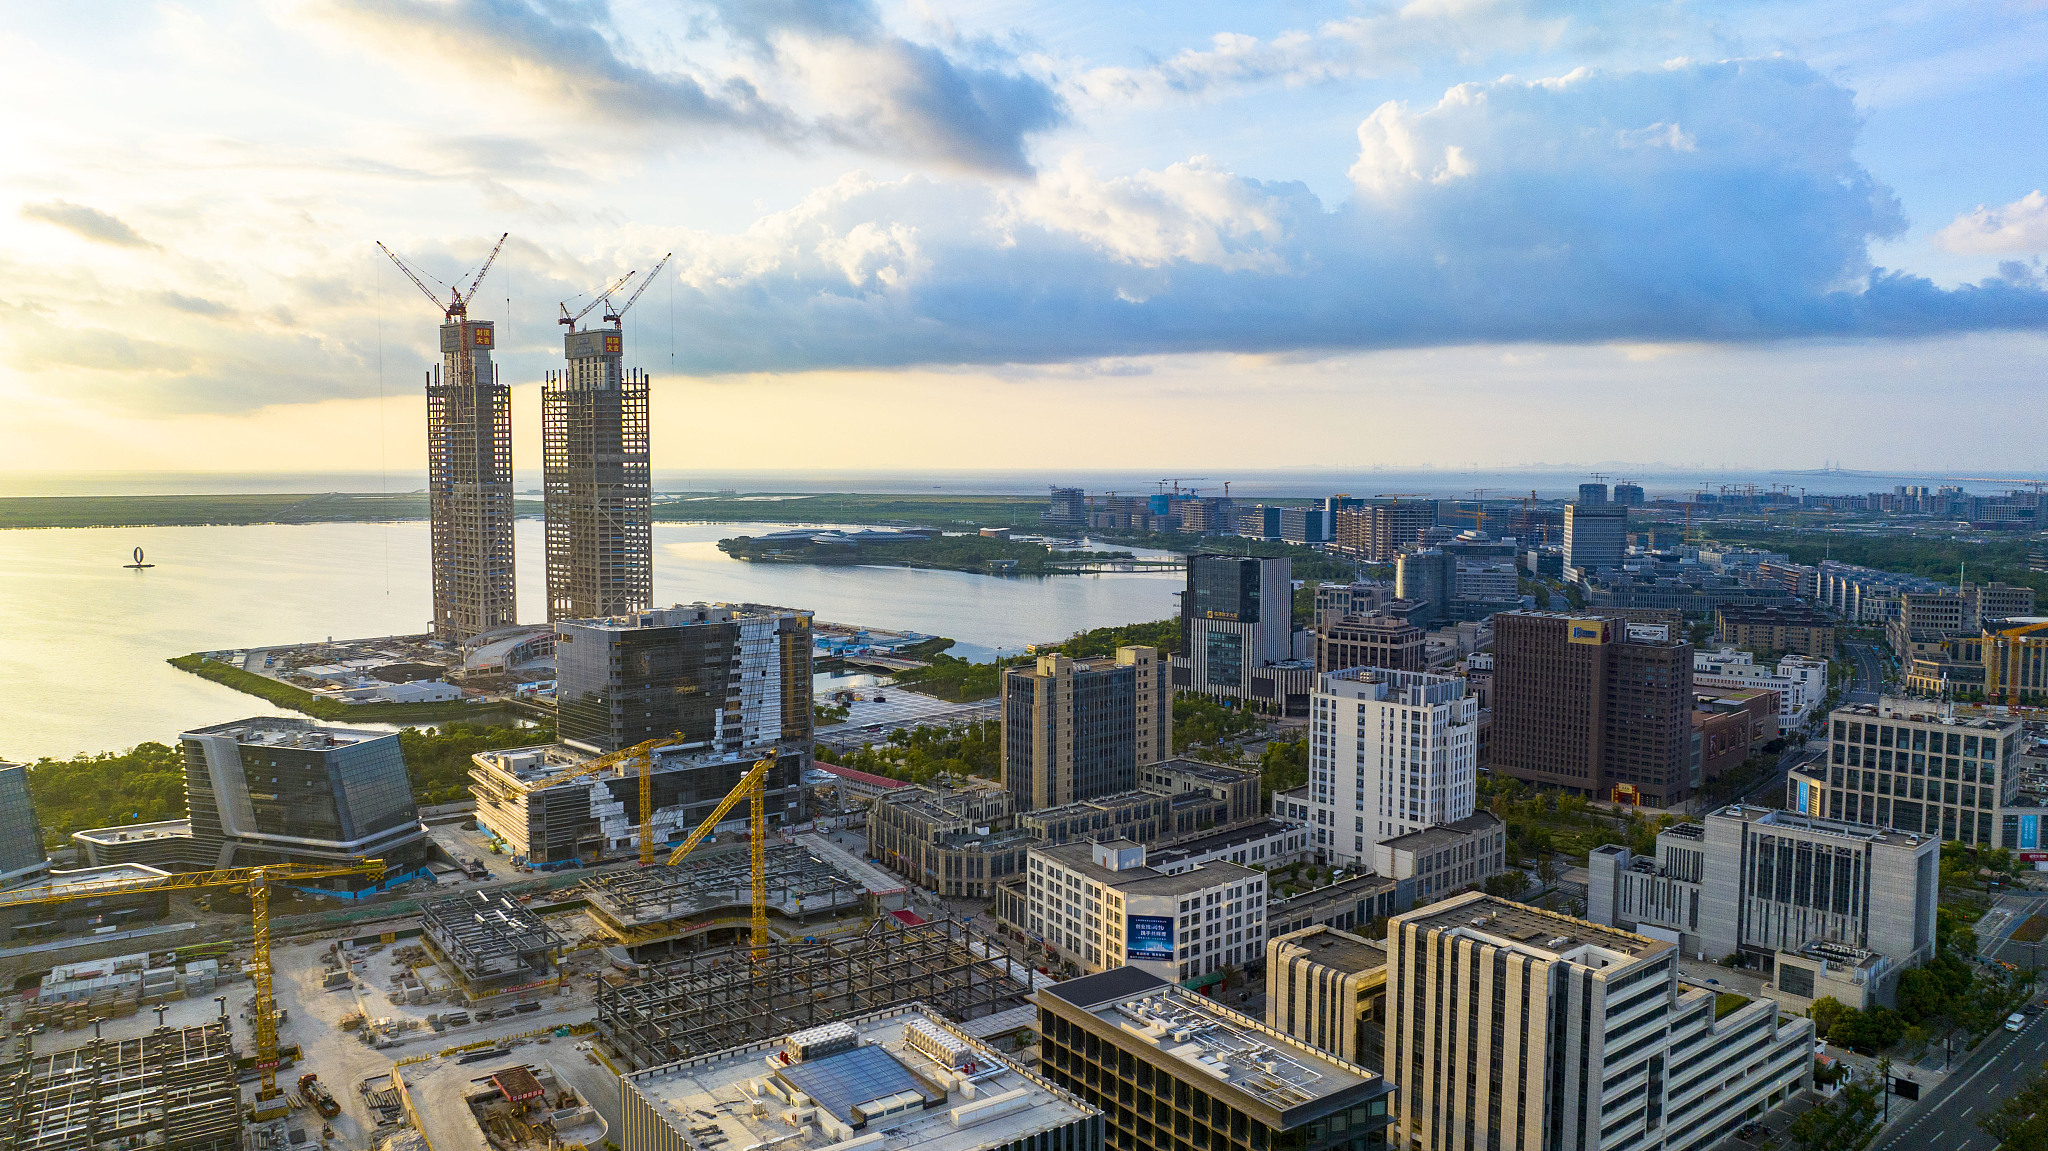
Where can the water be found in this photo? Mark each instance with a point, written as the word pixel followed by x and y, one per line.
pixel 82 668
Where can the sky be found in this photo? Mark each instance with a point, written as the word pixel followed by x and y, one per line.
pixel 1004 233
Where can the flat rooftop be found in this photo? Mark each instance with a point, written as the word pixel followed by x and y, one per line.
pixel 1214 773
pixel 85 879
pixel 1255 1061
pixel 1143 880
pixel 1534 931
pixel 136 832
pixel 710 1101
pixel 1218 841
pixel 1897 714
pixel 1445 834
pixel 1341 950
pixel 1791 821
pixel 281 731
pixel 680 615
pixel 536 764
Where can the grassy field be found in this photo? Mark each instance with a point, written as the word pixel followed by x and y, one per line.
pixel 298 699
pixel 940 511
pixel 187 511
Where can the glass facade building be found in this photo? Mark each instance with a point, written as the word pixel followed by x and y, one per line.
pixel 21 834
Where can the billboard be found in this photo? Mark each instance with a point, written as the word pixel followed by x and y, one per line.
pixel 1800 805
pixel 481 335
pixel 1626 793
pixel 1148 937
pixel 1593 631
pixel 1650 632
pixel 2030 832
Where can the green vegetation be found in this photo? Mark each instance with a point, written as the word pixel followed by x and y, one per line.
pixel 952 513
pixel 1541 823
pixel 1728 1001
pixel 299 699
pixel 1163 634
pixel 2020 1122
pixel 960 680
pixel 921 754
pixel 1282 767
pixel 1846 1122
pixel 1310 564
pixel 1934 556
pixel 1202 724
pixel 181 511
pixel 2034 930
pixel 948 553
pixel 146 783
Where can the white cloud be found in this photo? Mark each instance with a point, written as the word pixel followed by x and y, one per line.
pixel 2021 226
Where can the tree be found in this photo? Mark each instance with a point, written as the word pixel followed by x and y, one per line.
pixel 2020 1122
pixel 1824 1012
pixel 1509 884
pixel 1868 1031
pixel 1844 1123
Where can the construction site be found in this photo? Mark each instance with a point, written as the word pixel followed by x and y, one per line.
pixel 733 997
pixel 492 944
pixel 709 898
pixel 174 1087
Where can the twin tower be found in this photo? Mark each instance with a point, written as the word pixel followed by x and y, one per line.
pixel 594 475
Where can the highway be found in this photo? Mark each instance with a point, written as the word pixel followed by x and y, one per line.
pixel 1869 673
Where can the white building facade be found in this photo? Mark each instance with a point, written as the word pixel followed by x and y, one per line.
pixel 1390 752
pixel 1099 905
pixel 1800 681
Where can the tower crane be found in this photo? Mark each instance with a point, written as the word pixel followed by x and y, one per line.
pixel 753 786
pixel 568 319
pixel 643 753
pixel 1479 508
pixel 1177 481
pixel 258 880
pixel 455 309
pixel 611 317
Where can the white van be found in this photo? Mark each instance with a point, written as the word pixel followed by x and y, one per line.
pixel 2015 1021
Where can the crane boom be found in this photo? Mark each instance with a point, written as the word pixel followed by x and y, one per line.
pixel 615 317
pixel 642 752
pixel 570 320
pixel 486 269
pixel 752 786
pixel 444 305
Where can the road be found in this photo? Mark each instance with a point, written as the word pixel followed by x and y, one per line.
pixel 1946 1116
pixel 1994 931
pixel 1869 680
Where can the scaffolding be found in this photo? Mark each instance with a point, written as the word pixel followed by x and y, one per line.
pixel 596 482
pixel 492 944
pixel 716 1000
pixel 469 486
pixel 173 1088
pixel 652 904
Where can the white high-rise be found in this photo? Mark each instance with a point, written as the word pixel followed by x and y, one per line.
pixel 1390 752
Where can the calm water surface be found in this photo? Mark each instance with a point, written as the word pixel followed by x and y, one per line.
pixel 83 642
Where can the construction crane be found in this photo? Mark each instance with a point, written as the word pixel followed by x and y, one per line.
pixel 643 752
pixel 569 319
pixel 753 787
pixel 1177 481
pixel 1479 507
pixel 269 1100
pixel 1397 497
pixel 455 309
pixel 611 317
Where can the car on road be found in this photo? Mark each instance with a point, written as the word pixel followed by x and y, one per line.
pixel 2031 1009
pixel 2015 1021
pixel 1749 1131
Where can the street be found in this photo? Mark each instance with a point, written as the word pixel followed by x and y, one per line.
pixel 1946 1116
pixel 1869 681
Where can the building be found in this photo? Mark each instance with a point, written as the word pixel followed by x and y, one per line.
pixel 2014 658
pixel 595 480
pixel 591 817
pixel 1232 792
pixel 173 1087
pixel 1516 1028
pixel 1390 752
pixel 1866 595
pixel 714 677
pixel 1776 629
pixel 1197 1074
pixel 1759 882
pixel 1628 494
pixel 1356 901
pixel 164 844
pixel 1237 634
pixel 906 1070
pixel 1467 577
pixel 1446 858
pixel 1800 682
pixel 1101 907
pixel 1595 534
pixel 1730 726
pixel 21 834
pixel 1266 844
pixel 1914 771
pixel 1590 702
pixel 469 484
pixel 957 841
pixel 1328 988
pixel 1259 521
pixel 1381 529
pixel 1068 508
pixel 1077 729
pixel 1360 597
pixel 277 790
pixel 1304 525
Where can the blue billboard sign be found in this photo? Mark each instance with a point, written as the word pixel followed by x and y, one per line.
pixel 2030 832
pixel 1802 798
pixel 1148 937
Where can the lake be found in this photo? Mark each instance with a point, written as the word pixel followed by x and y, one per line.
pixel 82 668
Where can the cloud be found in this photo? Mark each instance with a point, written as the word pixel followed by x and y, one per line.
pixel 794 73
pixel 1698 202
pixel 2021 226
pixel 90 223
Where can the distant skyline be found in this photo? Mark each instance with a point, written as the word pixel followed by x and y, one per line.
pixel 1015 234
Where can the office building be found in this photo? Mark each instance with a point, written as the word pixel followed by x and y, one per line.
pixel 595 480
pixel 1589 702
pixel 727 677
pixel 1866 595
pixel 1768 630
pixel 21 834
pixel 1237 634
pixel 1390 752
pixel 1763 882
pixel 2014 657
pixel 592 817
pixel 1361 597
pixel 1446 858
pixel 1595 536
pixel 1100 907
pixel 1077 729
pixel 1728 727
pixel 1328 988
pixel 1304 525
pixel 1173 1070
pixel 1068 508
pixel 1355 902
pixel 1381 529
pixel 1231 792
pixel 1515 1028
pixel 1629 494
pixel 1592 493
pixel 957 841
pixel 905 1070
pixel 1208 515
pixel 1374 640
pixel 469 484
pixel 1800 683
pixel 1467 577
pixel 1914 771
pixel 276 790
pixel 1259 521
pixel 1922 620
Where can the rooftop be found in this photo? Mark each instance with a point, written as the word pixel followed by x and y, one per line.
pixel 1328 947
pixel 905 1075
pixel 1218 841
pixel 1259 1063
pixel 1859 832
pixel 85 879
pixel 1143 880
pixel 1213 772
pixel 681 615
pixel 280 731
pixel 1895 714
pixel 1445 834
pixel 538 763
pixel 1533 931
pixel 132 832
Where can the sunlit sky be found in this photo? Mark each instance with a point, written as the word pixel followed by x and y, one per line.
pixel 1001 233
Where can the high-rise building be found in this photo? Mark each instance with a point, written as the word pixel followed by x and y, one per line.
pixel 1390 752
pixel 1917 771
pixel 1237 623
pixel 1593 493
pixel 1589 702
pixel 1172 1069
pixel 1078 729
pixel 1380 529
pixel 1513 1028
pixel 1595 535
pixel 21 834
pixel 1100 906
pixel 725 677
pixel 1628 494
pixel 595 479
pixel 1376 640
pixel 1068 508
pixel 276 790
pixel 469 484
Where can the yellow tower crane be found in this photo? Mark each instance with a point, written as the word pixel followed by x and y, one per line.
pixel 753 786
pixel 269 1100
pixel 643 753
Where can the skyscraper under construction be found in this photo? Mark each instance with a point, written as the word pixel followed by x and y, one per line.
pixel 469 469
pixel 594 472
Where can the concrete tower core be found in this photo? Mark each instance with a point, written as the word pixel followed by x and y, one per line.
pixel 595 475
